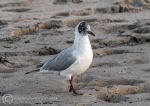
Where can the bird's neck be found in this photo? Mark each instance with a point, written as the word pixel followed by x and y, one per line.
pixel 82 43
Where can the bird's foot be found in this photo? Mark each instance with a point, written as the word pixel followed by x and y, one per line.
pixel 77 93
pixel 70 90
pixel 74 91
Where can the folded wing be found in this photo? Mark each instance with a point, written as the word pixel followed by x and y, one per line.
pixel 60 62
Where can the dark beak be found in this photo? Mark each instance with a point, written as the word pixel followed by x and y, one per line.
pixel 90 32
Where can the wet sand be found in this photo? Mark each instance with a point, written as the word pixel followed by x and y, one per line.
pixel 33 30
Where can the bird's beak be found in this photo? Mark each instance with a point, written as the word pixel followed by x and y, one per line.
pixel 90 32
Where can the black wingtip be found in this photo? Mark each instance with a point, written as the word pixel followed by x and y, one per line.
pixel 32 71
pixel 27 73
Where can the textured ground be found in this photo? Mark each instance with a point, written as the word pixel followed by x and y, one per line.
pixel 33 30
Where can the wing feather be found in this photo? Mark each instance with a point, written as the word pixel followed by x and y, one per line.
pixel 61 61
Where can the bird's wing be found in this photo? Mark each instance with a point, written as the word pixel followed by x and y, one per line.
pixel 61 61
pixel 39 65
pixel 42 63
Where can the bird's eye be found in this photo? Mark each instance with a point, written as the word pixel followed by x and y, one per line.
pixel 83 28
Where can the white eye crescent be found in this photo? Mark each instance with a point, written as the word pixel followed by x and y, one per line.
pixel 89 28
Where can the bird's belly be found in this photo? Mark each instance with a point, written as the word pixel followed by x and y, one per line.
pixel 83 64
pixel 80 66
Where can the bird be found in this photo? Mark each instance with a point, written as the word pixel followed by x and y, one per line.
pixel 73 60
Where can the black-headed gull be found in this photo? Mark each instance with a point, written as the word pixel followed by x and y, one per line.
pixel 75 59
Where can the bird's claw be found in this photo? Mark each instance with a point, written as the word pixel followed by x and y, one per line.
pixel 77 93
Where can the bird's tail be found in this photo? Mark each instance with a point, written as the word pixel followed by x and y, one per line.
pixel 36 70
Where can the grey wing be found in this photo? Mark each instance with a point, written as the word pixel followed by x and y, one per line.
pixel 39 65
pixel 61 61
pixel 42 63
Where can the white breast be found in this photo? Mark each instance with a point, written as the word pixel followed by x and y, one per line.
pixel 84 55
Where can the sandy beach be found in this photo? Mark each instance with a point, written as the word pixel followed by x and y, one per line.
pixel 34 30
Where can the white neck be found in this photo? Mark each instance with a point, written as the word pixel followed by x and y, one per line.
pixel 82 43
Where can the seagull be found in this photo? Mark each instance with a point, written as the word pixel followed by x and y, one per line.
pixel 74 60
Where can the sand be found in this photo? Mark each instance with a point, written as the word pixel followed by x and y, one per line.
pixel 33 30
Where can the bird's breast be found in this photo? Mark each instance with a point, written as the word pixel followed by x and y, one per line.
pixel 84 55
pixel 84 58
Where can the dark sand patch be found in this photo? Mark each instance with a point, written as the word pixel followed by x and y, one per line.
pixel 17 10
pixel 7 70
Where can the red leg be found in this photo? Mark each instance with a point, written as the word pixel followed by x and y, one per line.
pixel 72 88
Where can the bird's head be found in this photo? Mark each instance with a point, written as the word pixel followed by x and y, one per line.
pixel 83 29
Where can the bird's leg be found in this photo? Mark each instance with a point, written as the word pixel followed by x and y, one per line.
pixel 72 88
